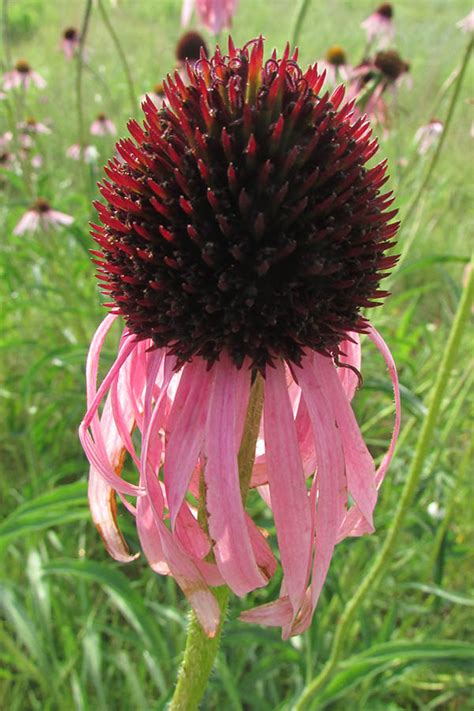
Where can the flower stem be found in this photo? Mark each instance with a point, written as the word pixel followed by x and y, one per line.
pixel 200 651
pixel 121 53
pixel 381 561
pixel 298 21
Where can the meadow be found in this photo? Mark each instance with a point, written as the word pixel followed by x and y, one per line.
pixel 80 631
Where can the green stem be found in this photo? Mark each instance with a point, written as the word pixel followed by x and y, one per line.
pixel 200 651
pixel 381 561
pixel 298 21
pixel 122 55
pixel 79 74
pixel 413 204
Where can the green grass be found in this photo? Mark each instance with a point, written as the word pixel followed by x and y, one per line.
pixel 80 631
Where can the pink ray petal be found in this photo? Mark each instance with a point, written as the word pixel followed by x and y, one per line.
pixel 330 502
pixel 360 468
pixel 233 550
pixel 354 523
pixel 289 498
pixel 272 614
pixel 186 434
pixel 352 357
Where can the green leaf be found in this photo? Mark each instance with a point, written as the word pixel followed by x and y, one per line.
pixel 62 505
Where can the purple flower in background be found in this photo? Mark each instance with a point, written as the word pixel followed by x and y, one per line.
pixel 70 42
pixel 90 153
pixel 103 126
pixel 379 26
pixel 41 216
pixel 335 65
pixel 467 23
pixel 22 76
pixel 428 135
pixel 213 14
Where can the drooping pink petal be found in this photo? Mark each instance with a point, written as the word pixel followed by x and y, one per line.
pixel 102 497
pixel 331 487
pixel 289 498
pixel 376 338
pixel 186 432
pixel 95 448
pixel 354 523
pixel 272 614
pixel 226 519
pixel 360 468
pixel 181 566
pixel 352 351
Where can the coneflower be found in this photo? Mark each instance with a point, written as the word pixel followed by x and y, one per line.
pixel 242 235
pixel 22 76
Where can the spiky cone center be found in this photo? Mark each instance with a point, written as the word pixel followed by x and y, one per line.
pixel 243 217
pixel 336 55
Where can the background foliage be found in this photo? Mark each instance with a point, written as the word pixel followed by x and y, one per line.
pixel 79 630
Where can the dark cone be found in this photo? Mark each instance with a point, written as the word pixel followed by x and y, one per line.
pixel 243 217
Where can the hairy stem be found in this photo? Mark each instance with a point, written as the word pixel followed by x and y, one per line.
pixel 200 651
pixel 382 560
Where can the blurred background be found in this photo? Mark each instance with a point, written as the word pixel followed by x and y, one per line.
pixel 81 631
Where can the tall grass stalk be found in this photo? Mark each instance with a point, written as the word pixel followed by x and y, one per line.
pixel 123 58
pixel 382 560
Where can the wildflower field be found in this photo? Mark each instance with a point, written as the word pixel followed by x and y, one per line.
pixel 392 626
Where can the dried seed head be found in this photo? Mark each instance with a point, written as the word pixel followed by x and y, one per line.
pixel 243 216
pixel 71 34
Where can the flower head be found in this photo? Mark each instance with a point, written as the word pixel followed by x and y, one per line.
pixel 22 76
pixel 428 135
pixel 41 216
pixel 157 95
pixel 91 153
pixel 379 25
pixel 335 65
pixel 70 42
pixel 103 126
pixel 242 236
pixel 213 14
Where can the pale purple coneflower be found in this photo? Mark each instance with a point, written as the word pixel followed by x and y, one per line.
pixel 373 80
pixel 70 42
pixel 41 216
pixel 31 125
pixel 5 139
pixel 215 15
pixel 103 126
pixel 157 95
pixel 427 135
pixel 467 23
pixel 91 153
pixel 7 159
pixel 379 26
pixel 22 76
pixel 246 256
pixel 335 65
